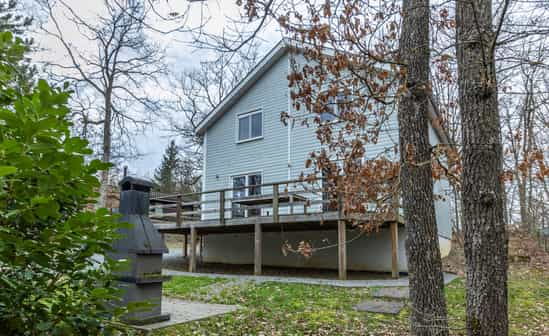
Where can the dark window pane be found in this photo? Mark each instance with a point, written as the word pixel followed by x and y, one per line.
pixel 243 128
pixel 256 125
pixel 238 184
pixel 254 180
pixel 331 110
pixel 239 191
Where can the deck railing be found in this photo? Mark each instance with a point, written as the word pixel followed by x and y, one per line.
pixel 274 199
pixel 284 202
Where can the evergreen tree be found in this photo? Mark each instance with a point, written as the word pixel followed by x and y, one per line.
pixel 18 24
pixel 165 176
pixel 12 21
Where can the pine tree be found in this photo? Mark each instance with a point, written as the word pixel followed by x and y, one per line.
pixel 165 176
pixel 11 20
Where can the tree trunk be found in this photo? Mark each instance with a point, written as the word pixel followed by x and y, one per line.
pixel 524 222
pixel 428 305
pixel 106 156
pixel 483 194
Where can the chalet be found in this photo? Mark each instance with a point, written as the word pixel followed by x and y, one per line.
pixel 251 204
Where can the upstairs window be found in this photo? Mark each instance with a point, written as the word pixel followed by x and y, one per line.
pixel 335 107
pixel 250 126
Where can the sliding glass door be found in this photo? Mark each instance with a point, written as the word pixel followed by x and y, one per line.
pixel 245 186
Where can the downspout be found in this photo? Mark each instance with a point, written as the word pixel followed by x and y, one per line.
pixel 289 124
pixel 204 155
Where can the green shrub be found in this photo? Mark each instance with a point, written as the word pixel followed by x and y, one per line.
pixel 49 281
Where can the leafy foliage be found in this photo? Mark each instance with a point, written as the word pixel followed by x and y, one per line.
pixel 51 283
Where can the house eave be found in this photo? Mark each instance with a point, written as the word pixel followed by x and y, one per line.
pixel 235 94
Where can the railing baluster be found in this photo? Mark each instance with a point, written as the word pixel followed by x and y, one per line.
pixel 275 203
pixel 222 207
pixel 178 210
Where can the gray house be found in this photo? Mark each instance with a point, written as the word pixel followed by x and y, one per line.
pixel 249 205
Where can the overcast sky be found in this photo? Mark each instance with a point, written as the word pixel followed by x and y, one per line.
pixel 180 55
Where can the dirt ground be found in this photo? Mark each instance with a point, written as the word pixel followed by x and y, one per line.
pixel 524 253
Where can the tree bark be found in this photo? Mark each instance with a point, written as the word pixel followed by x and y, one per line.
pixel 483 194
pixel 428 305
pixel 106 155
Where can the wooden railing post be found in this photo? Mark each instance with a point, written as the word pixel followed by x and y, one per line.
pixel 222 207
pixel 275 203
pixel 178 211
pixel 339 206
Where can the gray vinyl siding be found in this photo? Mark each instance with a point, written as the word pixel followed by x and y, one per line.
pixel 225 158
pixel 441 191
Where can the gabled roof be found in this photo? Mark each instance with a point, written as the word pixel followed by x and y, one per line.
pixel 266 62
pixel 261 68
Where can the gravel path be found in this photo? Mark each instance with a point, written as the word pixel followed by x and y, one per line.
pixel 402 282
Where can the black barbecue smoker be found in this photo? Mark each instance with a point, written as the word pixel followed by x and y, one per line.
pixel 143 247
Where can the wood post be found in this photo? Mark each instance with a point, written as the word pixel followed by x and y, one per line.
pixel 394 250
pixel 178 210
pixel 185 245
pixel 291 204
pixel 342 250
pixel 222 207
pixel 192 261
pixel 275 203
pixel 201 247
pixel 258 239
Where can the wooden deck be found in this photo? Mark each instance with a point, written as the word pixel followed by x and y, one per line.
pixel 304 210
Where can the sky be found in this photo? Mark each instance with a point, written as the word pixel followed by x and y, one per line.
pixel 180 55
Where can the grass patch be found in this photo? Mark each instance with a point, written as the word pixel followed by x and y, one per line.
pixel 184 287
pixel 297 309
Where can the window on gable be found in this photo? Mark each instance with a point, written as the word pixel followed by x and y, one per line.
pixel 250 126
pixel 333 108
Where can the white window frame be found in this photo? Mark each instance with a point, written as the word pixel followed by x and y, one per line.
pixel 246 176
pixel 245 115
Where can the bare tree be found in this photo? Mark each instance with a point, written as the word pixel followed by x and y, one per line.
pixel 483 192
pixel 113 81
pixel 197 91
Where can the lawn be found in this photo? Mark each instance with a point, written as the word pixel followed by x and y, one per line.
pixel 295 309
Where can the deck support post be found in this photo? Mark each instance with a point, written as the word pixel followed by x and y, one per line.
pixel 185 246
pixel 394 250
pixel 192 261
pixel 201 247
pixel 258 246
pixel 342 250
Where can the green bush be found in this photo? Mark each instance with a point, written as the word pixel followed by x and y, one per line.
pixel 49 281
